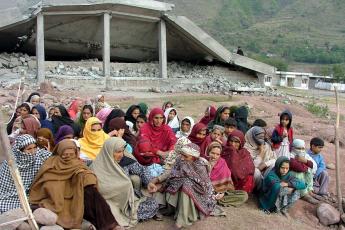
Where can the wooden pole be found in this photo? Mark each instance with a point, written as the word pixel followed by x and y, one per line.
pixel 6 150
pixel 337 156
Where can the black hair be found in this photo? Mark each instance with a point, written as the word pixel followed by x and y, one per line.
pixel 260 123
pixel 230 122
pixel 88 107
pixel 27 107
pixel 142 116
pixel 186 119
pixel 316 141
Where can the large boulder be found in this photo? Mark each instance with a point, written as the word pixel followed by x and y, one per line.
pixel 327 214
pixel 45 216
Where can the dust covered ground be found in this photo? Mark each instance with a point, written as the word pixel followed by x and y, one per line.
pixel 306 125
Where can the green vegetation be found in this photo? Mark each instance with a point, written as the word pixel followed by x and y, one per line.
pixel 308 31
pixel 337 71
pixel 318 110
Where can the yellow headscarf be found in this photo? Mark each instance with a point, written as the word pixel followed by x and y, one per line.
pixel 92 142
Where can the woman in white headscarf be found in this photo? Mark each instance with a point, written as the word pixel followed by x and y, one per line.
pixel 172 119
pixel 187 124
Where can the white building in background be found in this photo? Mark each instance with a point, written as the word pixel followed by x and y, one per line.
pixel 294 79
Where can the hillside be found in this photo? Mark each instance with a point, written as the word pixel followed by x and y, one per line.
pixel 309 31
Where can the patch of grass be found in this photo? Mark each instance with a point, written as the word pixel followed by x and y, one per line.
pixel 318 110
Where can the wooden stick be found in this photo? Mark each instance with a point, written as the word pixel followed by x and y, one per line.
pixel 7 151
pixel 337 156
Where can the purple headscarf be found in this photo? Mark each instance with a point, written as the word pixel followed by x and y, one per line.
pixel 62 132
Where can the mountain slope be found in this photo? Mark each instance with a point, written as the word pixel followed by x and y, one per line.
pixel 310 31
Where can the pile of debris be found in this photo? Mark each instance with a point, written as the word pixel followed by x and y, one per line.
pixel 17 62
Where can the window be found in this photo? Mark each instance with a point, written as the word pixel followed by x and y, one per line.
pixel 305 81
pixel 268 79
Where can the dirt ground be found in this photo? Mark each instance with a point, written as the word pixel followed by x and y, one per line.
pixel 306 125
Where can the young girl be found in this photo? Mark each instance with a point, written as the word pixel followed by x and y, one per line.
pixel 280 188
pixel 172 119
pixel 186 127
pixel 282 135
pixel 215 135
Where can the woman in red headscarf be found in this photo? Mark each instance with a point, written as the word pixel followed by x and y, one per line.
pixel 210 114
pixel 155 139
pixel 239 162
pixel 198 134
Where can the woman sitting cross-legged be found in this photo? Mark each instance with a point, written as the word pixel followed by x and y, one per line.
pixel 113 168
pixel 280 189
pixel 189 191
pixel 66 186
pixel 221 178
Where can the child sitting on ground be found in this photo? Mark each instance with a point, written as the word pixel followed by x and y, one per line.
pixel 321 178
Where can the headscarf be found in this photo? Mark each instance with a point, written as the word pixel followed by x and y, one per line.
pixel 43 117
pixel 80 120
pixel 241 116
pixel 279 163
pixel 165 104
pixel 143 108
pixel 299 143
pixel 129 117
pixel 103 114
pixel 191 149
pixel 239 161
pixel 74 109
pixel 217 119
pixel 180 133
pixel 162 138
pixel 192 179
pixel 31 95
pixel 254 138
pixel 174 123
pixel 47 133
pixel 113 114
pixel 64 119
pixel 119 123
pixel 59 186
pixel 28 166
pixel 31 125
pixel 195 130
pixel 62 132
pixel 220 173
pixel 120 195
pixel 211 115
pixel 92 142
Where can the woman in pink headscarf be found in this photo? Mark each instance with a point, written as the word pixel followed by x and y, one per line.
pixel 103 114
pixel 74 108
pixel 160 137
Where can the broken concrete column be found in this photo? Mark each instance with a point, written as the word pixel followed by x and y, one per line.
pixel 40 47
pixel 106 48
pixel 163 72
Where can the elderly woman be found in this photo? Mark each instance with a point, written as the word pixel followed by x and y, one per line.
pixel 159 135
pixel 280 188
pixel 127 204
pixel 29 160
pixel 67 187
pixel 189 190
pixel 263 156
pixel 239 162
pixel 221 178
pixel 93 139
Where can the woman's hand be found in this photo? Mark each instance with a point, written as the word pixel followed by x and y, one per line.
pixel 284 184
pixel 152 188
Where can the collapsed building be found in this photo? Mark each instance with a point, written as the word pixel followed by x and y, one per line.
pixel 118 31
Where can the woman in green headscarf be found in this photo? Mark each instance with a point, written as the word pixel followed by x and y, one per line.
pixel 280 188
